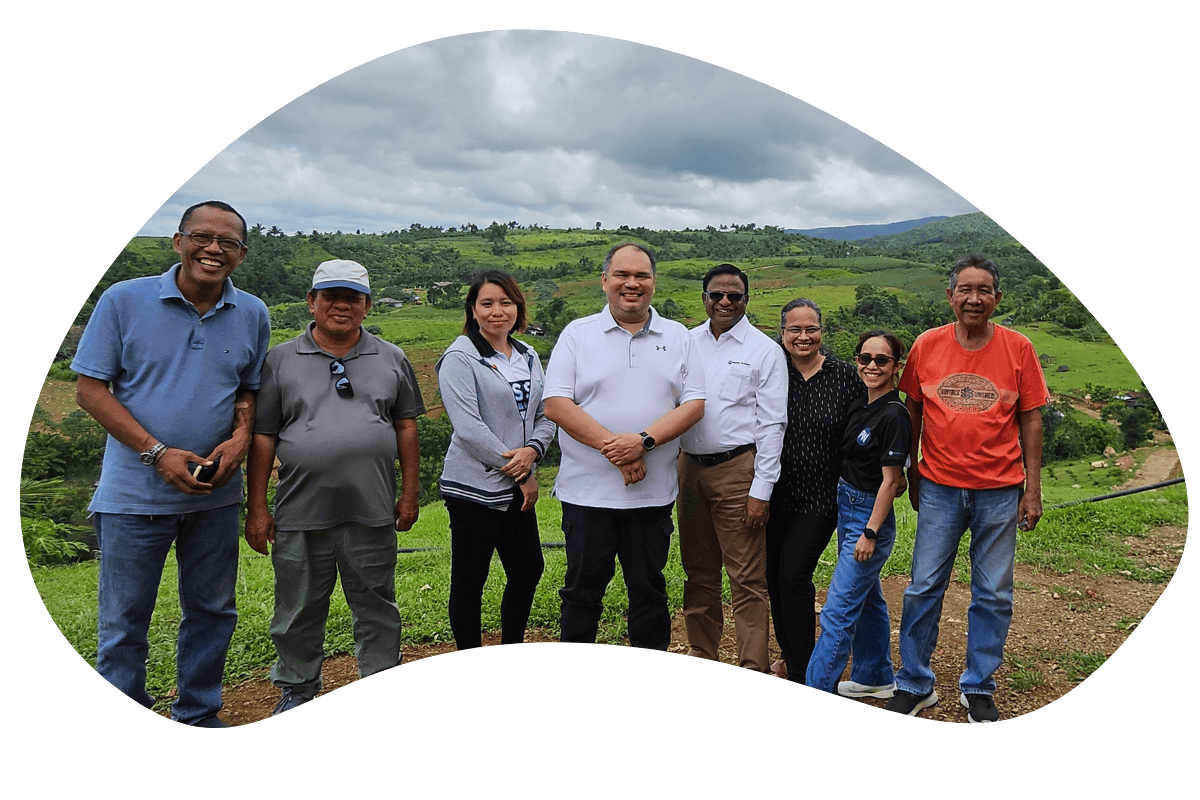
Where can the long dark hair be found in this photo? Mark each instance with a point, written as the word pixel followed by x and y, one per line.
pixel 510 287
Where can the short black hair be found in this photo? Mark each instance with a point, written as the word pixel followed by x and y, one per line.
pixel 612 251
pixel 726 269
pixel 217 204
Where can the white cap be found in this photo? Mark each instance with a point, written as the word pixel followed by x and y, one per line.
pixel 342 273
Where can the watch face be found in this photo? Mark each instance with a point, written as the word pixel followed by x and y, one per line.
pixel 147 458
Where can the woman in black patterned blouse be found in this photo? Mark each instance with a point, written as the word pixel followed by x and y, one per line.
pixel 804 502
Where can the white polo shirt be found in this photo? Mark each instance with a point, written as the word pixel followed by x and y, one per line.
pixel 625 382
pixel 746 399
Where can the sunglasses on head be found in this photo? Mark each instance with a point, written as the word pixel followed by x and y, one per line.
pixel 866 358
pixel 341 383
pixel 734 297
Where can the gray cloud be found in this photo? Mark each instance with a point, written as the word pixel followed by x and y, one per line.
pixel 558 129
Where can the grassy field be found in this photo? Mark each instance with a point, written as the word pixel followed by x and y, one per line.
pixel 1088 538
pixel 1100 364
pixel 1084 538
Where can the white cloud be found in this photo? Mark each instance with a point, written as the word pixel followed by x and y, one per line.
pixel 559 129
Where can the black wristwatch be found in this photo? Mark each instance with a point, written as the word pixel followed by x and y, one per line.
pixel 871 534
pixel 647 440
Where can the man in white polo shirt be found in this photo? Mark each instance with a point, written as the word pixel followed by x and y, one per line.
pixel 730 465
pixel 622 385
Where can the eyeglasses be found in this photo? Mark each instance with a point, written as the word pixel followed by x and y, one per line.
pixel 734 297
pixel 341 383
pixel 205 239
pixel 809 331
pixel 866 358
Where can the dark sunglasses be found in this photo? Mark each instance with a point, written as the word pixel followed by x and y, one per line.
pixel 734 297
pixel 341 383
pixel 880 361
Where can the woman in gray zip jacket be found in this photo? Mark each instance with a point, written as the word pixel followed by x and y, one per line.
pixel 491 387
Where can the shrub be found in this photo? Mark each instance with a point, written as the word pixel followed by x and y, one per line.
pixel 1067 435
pixel 435 440
pixel 48 543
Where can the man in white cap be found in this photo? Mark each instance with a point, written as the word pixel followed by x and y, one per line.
pixel 338 406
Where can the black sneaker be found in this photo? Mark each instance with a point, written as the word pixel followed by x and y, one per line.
pixel 980 707
pixel 289 701
pixel 212 722
pixel 909 704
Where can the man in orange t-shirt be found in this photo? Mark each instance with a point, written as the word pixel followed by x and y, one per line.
pixel 974 391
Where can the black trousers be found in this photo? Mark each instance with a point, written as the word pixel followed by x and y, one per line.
pixel 794 545
pixel 476 532
pixel 595 538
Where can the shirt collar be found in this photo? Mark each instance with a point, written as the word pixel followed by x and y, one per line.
pixel 653 325
pixel 367 344
pixel 168 287
pixel 485 348
pixel 739 330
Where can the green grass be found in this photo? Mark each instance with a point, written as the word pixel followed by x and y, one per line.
pixel 1097 363
pixel 1078 665
pixel 1088 539
pixel 1024 674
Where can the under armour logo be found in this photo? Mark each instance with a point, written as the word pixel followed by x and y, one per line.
pixel 660 347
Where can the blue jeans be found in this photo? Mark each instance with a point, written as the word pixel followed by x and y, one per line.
pixel 133 550
pixel 855 616
pixel 944 514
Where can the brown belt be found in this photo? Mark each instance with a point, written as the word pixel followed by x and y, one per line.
pixel 711 459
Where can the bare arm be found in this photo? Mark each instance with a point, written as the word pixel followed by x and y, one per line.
pixel 233 450
pixel 888 491
pixel 409 448
pixel 916 412
pixel 93 396
pixel 260 525
pixel 625 447
pixel 578 424
pixel 1029 426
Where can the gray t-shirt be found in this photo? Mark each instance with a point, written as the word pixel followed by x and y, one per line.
pixel 337 455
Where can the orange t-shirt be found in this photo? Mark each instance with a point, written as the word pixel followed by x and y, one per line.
pixel 970 399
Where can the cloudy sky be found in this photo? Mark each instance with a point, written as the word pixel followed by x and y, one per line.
pixel 558 129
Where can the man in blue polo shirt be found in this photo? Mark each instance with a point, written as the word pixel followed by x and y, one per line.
pixel 182 352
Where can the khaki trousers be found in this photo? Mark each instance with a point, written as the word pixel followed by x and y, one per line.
pixel 712 534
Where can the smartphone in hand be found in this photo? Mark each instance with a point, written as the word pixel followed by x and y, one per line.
pixel 205 474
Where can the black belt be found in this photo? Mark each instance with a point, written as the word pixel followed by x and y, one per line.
pixel 712 459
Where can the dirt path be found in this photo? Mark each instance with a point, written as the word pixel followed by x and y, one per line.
pixel 1063 627
pixel 1161 465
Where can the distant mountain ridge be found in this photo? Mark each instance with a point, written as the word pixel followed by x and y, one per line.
pixel 974 231
pixel 853 233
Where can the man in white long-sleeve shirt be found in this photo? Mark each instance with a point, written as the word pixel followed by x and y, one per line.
pixel 729 466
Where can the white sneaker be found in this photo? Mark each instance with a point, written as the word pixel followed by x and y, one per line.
pixel 852 689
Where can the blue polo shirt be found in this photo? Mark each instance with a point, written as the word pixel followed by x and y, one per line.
pixel 178 373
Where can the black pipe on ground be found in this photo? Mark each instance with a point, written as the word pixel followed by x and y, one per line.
pixel 1122 493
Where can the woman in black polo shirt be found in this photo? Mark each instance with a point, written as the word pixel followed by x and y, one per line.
pixel 875 448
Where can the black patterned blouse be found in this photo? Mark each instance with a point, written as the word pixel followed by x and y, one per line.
pixel 812 459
